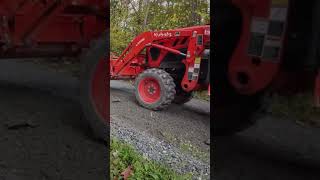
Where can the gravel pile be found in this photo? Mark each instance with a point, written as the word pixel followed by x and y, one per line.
pixel 160 151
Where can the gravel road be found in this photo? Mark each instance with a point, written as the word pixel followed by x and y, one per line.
pixel 30 119
pixel 177 136
pixel 180 128
pixel 189 122
pixel 159 150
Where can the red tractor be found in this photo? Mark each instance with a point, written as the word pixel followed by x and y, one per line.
pixel 261 46
pixel 167 65
pixel 73 28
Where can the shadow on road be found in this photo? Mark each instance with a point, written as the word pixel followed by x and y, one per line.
pixel 268 151
pixel 44 137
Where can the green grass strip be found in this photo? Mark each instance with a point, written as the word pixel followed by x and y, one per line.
pixel 122 155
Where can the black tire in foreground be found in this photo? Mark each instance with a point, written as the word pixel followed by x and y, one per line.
pixel 94 88
pixel 154 89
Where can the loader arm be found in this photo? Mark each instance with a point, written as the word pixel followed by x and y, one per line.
pixel 138 44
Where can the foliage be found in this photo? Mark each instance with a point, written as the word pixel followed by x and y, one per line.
pixel 122 155
pixel 299 107
pixel 203 95
pixel 128 18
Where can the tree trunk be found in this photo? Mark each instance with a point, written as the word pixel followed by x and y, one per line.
pixel 146 16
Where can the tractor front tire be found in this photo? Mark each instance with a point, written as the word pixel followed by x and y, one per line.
pixel 94 92
pixel 154 89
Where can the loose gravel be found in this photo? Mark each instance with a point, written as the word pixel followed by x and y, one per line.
pixel 160 151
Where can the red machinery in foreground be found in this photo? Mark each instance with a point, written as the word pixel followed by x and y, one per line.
pixel 167 65
pixel 53 28
pixel 261 46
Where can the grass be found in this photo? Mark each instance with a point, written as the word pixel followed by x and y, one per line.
pixel 203 95
pixel 122 155
pixel 299 107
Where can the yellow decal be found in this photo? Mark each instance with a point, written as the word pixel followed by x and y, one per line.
pixel 197 60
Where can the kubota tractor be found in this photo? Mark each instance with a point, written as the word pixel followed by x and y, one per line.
pixel 167 65
pixel 261 46
pixel 54 28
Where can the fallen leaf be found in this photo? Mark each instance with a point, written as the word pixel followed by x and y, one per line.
pixel 127 172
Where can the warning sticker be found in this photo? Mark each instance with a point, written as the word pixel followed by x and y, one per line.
pixel 195 76
pixel 256 44
pixel 190 73
pixel 276 28
pixel 259 26
pixel 271 49
pixel 271 42
pixel 278 14
pixel 190 69
pixel 270 52
pixel 196 71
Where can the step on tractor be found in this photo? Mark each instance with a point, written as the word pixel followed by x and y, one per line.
pixel 262 47
pixel 167 65
pixel 68 28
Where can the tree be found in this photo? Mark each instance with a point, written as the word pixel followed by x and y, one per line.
pixel 129 18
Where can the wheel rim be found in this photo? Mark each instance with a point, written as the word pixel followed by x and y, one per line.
pixel 99 91
pixel 149 90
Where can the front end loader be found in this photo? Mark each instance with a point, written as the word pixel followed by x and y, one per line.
pixel 167 65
